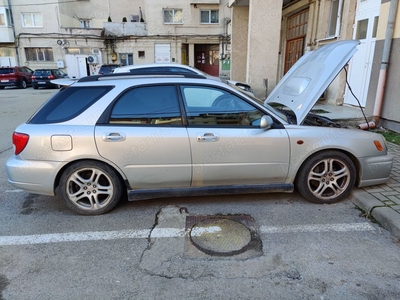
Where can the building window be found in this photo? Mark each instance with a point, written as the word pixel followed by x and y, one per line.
pixel 141 54
pixel 335 16
pixel 4 17
pixel 173 16
pixel 85 23
pixel 32 20
pixel 39 54
pixel 209 17
pixel 126 59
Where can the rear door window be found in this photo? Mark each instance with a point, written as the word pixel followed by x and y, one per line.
pixel 150 105
pixel 68 103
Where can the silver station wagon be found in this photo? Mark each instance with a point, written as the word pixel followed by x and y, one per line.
pixel 163 136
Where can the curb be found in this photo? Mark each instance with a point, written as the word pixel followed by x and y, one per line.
pixel 387 217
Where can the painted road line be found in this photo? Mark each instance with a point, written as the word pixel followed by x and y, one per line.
pixel 318 228
pixel 166 233
pixel 15 191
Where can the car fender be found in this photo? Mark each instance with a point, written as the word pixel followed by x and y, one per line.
pixel 305 141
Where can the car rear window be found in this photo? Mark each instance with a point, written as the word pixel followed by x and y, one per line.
pixel 68 103
pixel 6 70
pixel 42 73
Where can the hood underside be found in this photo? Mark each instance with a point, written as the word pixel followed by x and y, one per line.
pixel 310 76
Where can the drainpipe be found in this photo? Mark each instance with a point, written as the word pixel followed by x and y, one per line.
pixel 16 41
pixel 384 66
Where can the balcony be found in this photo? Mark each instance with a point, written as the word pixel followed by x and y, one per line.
pixel 6 35
pixel 124 29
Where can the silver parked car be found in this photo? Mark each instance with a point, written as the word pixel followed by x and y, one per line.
pixel 104 136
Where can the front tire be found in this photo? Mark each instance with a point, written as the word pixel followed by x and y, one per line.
pixel 90 187
pixel 326 177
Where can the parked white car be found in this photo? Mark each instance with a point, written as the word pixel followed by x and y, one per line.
pixel 166 68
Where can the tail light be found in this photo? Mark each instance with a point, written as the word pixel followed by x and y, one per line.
pixel 20 140
pixel 51 77
pixel 33 77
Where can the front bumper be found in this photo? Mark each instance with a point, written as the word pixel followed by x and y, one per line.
pixel 36 177
pixel 375 170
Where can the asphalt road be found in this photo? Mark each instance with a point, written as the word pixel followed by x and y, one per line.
pixel 141 250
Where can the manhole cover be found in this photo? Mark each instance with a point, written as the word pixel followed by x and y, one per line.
pixel 220 236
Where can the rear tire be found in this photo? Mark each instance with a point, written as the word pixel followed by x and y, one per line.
pixel 90 187
pixel 326 177
pixel 23 84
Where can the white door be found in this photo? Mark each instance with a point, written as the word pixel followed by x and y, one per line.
pixel 367 17
pixel 162 53
pixel 82 66
pixel 76 66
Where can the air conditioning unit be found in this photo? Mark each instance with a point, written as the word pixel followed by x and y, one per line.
pixel 92 59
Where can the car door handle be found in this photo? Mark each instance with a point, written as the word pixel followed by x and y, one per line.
pixel 114 137
pixel 207 137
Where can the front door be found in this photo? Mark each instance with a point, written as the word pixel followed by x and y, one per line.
pixel 367 17
pixel 228 146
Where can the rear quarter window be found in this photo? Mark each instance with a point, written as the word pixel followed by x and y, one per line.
pixel 68 103
pixel 6 71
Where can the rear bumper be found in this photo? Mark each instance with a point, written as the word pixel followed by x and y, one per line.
pixel 36 177
pixel 43 84
pixel 10 83
pixel 375 170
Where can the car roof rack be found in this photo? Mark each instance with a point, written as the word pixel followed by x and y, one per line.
pixel 141 75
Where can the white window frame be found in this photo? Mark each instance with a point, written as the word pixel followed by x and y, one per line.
pixel 174 12
pixel 209 16
pixel 32 15
pixel 6 13
pixel 335 20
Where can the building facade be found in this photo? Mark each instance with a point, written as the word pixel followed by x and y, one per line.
pixel 261 52
pixel 253 41
pixel 79 36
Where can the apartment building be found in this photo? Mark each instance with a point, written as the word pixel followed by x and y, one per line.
pixel 280 32
pixel 79 36
pixel 253 41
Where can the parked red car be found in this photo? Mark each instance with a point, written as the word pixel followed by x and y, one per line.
pixel 15 76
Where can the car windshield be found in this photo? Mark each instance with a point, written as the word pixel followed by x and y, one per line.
pixel 261 102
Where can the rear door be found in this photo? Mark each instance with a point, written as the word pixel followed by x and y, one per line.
pixel 27 73
pixel 144 136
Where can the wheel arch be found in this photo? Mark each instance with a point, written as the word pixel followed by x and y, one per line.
pixel 353 158
pixel 117 171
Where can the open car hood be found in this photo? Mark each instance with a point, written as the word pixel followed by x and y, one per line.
pixel 309 77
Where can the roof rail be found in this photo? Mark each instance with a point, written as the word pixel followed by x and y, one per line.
pixel 140 75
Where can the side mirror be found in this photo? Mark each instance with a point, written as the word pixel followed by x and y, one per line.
pixel 266 122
